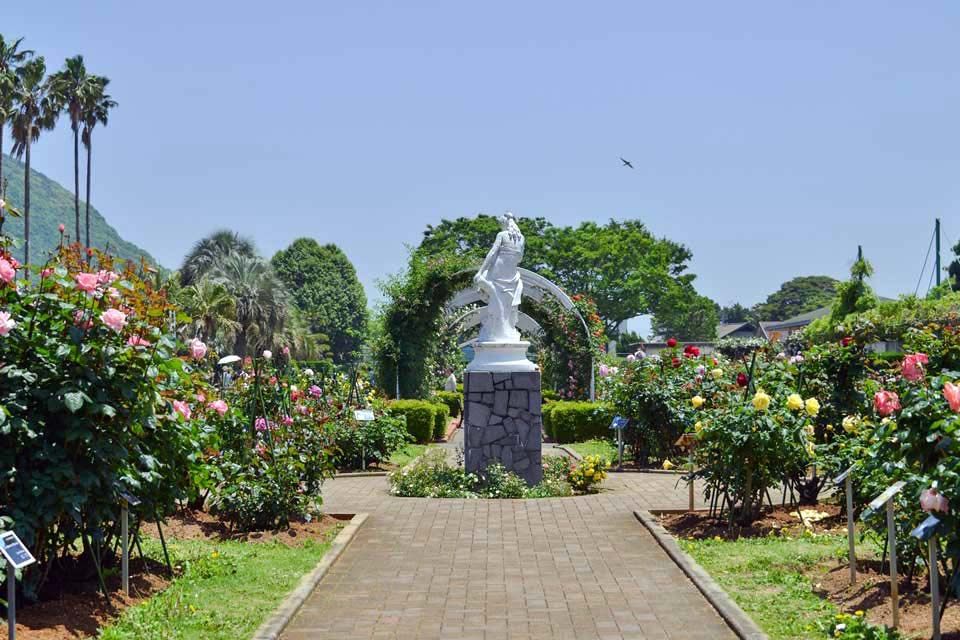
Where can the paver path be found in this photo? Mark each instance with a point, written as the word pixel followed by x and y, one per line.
pixel 558 568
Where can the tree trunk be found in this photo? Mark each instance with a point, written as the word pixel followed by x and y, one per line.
pixel 89 153
pixel 26 206
pixel 76 181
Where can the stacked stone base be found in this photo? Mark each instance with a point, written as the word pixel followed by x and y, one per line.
pixel 503 422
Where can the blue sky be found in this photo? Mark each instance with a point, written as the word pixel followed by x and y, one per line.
pixel 769 137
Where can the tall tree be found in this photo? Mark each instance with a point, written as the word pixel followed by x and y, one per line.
pixel 209 252
pixel 35 111
pixel 69 88
pixel 684 314
pixel 796 296
pixel 262 300
pixel 213 310
pixel 736 313
pixel 325 287
pixel 11 57
pixel 96 110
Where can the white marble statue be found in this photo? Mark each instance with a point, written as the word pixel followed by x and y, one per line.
pixel 499 347
pixel 499 278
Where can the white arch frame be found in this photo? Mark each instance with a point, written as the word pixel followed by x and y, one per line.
pixel 535 287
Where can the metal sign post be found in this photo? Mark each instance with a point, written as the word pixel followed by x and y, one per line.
pixel 928 530
pixel 17 557
pixel 846 478
pixel 619 424
pixel 886 498
pixel 126 501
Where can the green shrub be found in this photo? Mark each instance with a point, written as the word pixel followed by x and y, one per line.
pixel 452 399
pixel 441 415
pixel 577 421
pixel 420 416
pixel 549 395
pixel 360 443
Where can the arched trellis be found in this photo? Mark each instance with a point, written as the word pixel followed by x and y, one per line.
pixel 426 300
pixel 535 287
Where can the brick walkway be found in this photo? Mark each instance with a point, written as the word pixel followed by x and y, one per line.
pixel 560 568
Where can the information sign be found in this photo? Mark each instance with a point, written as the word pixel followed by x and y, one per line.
pixel 15 551
pixel 364 415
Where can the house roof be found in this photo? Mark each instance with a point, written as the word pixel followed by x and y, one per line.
pixel 727 328
pixel 800 320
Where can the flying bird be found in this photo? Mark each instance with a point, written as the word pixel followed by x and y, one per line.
pixel 626 163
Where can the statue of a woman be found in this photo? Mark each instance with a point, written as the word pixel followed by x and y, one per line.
pixel 499 278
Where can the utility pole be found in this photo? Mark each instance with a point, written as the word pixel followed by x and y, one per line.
pixel 936 234
pixel 859 252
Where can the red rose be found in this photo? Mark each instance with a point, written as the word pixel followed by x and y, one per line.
pixel 846 341
pixel 691 351
pixel 675 361
pixel 671 342
pixel 742 379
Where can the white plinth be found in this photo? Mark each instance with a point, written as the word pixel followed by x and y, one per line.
pixel 500 357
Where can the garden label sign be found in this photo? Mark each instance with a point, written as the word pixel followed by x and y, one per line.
pixel 619 424
pixel 15 551
pixel 363 415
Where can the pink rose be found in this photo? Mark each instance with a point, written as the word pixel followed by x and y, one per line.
pixel 182 408
pixel 886 402
pixel 82 320
pixel 315 391
pixel 201 398
pixel 107 277
pixel 260 424
pixel 952 393
pixel 302 409
pixel 114 318
pixel 287 421
pixel 631 358
pixel 7 271
pixel 197 349
pixel 286 351
pixel 912 366
pixel 219 406
pixel 61 228
pixel 86 282
pixel 604 371
pixel 137 341
pixel 931 500
pixel 46 273
pixel 6 323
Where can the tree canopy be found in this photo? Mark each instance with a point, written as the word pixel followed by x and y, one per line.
pixel 324 286
pixel 796 296
pixel 621 266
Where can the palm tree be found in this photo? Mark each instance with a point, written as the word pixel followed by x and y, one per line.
pixel 211 251
pixel 214 312
pixel 70 87
pixel 96 109
pixel 35 111
pixel 262 301
pixel 11 56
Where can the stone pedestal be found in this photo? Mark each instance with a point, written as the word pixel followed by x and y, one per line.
pixel 502 422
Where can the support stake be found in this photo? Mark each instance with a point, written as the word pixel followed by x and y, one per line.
pixel 934 588
pixel 852 553
pixel 11 601
pixel 892 544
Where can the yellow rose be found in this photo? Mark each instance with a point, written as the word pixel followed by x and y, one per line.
pixel 761 401
pixel 716 373
pixel 810 450
pixel 667 465
pixel 810 430
pixel 813 406
pixel 794 402
pixel 850 424
pixel 697 402
pixel 698 427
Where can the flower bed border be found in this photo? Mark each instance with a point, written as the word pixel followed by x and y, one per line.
pixel 576 456
pixel 730 611
pixel 276 623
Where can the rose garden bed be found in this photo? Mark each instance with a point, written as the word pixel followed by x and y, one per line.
pixel 214 567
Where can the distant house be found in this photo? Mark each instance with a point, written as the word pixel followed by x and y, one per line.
pixel 738 330
pixel 782 328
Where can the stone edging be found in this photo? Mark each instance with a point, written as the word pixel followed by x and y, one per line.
pixel 569 451
pixel 361 474
pixel 276 623
pixel 732 614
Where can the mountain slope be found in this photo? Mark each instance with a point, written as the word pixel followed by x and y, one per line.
pixel 51 204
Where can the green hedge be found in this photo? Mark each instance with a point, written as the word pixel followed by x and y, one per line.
pixel 452 399
pixel 420 416
pixel 441 415
pixel 577 421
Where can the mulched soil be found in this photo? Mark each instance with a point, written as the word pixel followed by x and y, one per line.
pixel 871 594
pixel 75 610
pixel 699 525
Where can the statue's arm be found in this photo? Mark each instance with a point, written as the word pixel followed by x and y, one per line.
pixel 491 256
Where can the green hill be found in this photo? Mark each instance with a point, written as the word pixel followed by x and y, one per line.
pixel 51 204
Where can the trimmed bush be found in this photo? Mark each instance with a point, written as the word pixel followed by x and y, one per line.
pixel 577 421
pixel 452 399
pixel 441 415
pixel 420 416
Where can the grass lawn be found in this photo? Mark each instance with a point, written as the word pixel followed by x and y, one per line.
pixel 226 590
pixel 764 576
pixel 404 456
pixel 603 448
